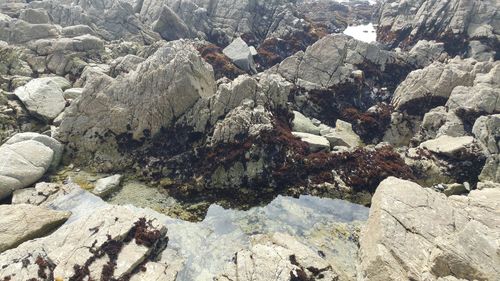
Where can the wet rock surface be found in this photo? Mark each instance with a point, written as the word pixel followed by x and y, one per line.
pixel 102 240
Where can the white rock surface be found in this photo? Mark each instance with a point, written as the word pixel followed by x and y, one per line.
pixel 42 194
pixel 73 93
pixel 107 185
pixel 343 135
pixel 22 222
pixel 153 96
pixel 302 124
pixel 25 159
pixel 315 142
pixel 449 146
pixel 42 97
pixel 416 233
pixel 331 60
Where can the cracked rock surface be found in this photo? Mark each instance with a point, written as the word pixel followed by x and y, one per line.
pixel 19 223
pixel 417 233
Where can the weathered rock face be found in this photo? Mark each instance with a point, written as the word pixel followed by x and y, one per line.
pixel 404 23
pixel 19 31
pixel 336 15
pixel 487 130
pixel 65 55
pixel 278 257
pixel 121 243
pixel 42 97
pixel 432 86
pixel 480 98
pixel 467 88
pixel 490 175
pixel 331 60
pixel 23 222
pixel 170 26
pixel 42 194
pixel 416 233
pixel 138 104
pixel 110 19
pixel 222 20
pixel 449 146
pixel 25 159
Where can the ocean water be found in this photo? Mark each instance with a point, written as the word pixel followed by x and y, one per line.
pixel 364 32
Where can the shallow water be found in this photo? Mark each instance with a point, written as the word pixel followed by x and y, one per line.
pixel 364 32
pixel 327 225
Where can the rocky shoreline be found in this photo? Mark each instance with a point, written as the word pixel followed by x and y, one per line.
pixel 249 140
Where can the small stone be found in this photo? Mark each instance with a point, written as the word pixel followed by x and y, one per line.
pixel 239 52
pixel 316 143
pixel 448 146
pixel 105 186
pixel 302 124
pixel 73 93
pixel 343 135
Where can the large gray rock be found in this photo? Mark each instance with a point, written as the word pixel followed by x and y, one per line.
pixel 138 104
pixel 35 16
pixel 432 86
pixel 425 52
pixel 418 234
pixel 267 90
pixel 109 19
pixel 438 122
pixel 243 121
pixel 53 144
pixel 331 60
pixel 25 159
pixel 170 26
pixel 239 52
pixel 83 43
pixel 490 175
pixel 481 97
pixel 19 223
pixel 19 31
pixel 407 22
pixel 487 131
pixel 459 84
pixel 42 97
